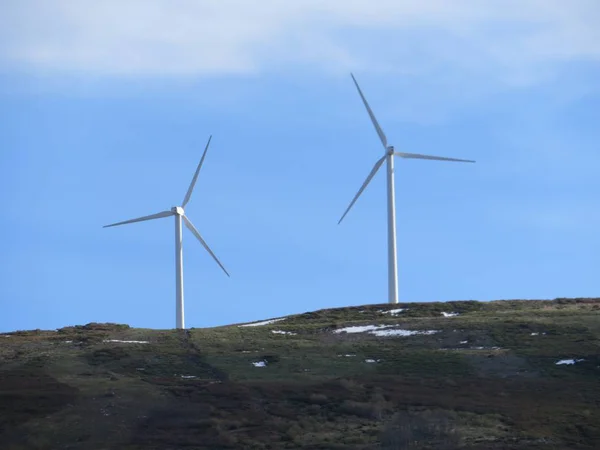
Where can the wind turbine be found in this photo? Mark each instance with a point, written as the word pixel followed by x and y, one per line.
pixel 179 214
pixel 388 157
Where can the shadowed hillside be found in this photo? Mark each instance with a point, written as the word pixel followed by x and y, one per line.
pixel 469 375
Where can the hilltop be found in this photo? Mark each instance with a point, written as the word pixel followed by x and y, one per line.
pixel 472 375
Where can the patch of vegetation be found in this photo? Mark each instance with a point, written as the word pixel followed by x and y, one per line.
pixel 487 378
pixel 430 429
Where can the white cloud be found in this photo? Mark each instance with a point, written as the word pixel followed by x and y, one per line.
pixel 516 41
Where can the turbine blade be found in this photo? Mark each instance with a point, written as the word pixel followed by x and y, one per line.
pixel 362 188
pixel 371 115
pixel 142 219
pixel 193 183
pixel 204 244
pixel 436 158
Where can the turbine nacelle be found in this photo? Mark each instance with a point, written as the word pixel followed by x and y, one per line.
pixel 178 210
pixel 389 150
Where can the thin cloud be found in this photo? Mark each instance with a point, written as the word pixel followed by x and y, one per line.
pixel 517 41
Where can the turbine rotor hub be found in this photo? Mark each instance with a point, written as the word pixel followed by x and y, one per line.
pixel 390 150
pixel 178 210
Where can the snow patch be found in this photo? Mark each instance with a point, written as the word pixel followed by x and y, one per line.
pixel 360 328
pixel 188 377
pixel 464 342
pixel 264 322
pixel 402 332
pixel 68 342
pixel 126 342
pixel 393 312
pixel 382 330
pixel 568 361
pixel 452 314
pixel 347 356
pixel 371 361
pixel 260 364
pixel 283 332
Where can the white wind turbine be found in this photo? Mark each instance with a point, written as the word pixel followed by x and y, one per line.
pixel 388 156
pixel 179 214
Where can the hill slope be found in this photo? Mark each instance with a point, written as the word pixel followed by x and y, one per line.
pixel 495 375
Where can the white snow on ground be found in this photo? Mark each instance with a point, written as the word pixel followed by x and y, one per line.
pixel 360 328
pixel 68 342
pixel 568 361
pixel 382 330
pixel 401 332
pixel 370 361
pixel 187 377
pixel 347 356
pixel 464 342
pixel 393 312
pixel 283 332
pixel 260 364
pixel 264 322
pixel 534 334
pixel 452 314
pixel 126 342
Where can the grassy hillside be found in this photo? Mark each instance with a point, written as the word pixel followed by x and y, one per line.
pixel 435 375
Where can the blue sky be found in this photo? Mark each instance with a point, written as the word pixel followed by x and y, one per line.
pixel 105 111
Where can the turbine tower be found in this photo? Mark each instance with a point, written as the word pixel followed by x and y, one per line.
pixel 388 157
pixel 179 214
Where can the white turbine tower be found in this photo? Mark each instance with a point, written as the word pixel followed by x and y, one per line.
pixel 388 156
pixel 179 214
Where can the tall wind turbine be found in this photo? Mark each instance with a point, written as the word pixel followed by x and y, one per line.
pixel 388 157
pixel 179 214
